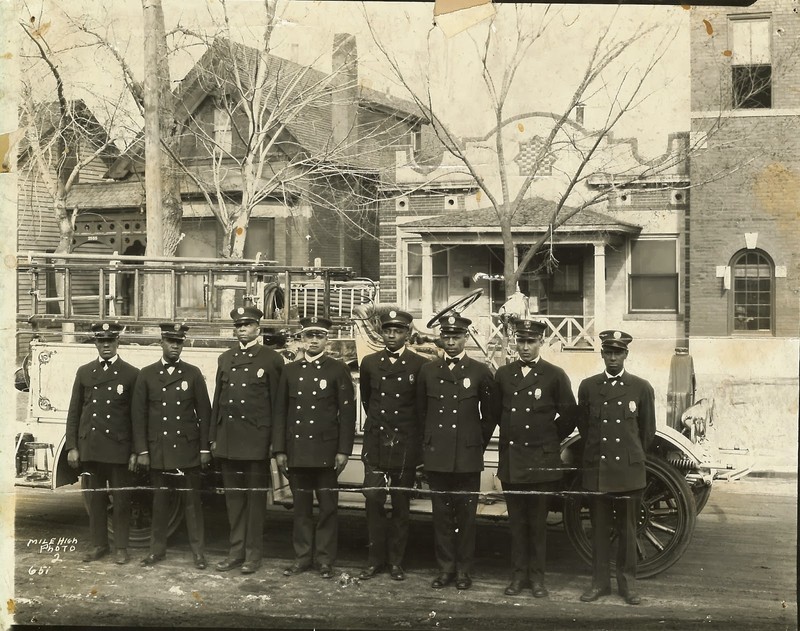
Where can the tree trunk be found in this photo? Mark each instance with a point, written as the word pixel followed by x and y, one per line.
pixel 157 298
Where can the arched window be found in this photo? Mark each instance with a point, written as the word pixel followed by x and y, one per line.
pixel 752 298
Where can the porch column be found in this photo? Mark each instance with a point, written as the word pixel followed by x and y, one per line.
pixel 427 282
pixel 599 289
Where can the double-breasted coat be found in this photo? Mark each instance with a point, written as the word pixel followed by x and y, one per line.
pixel 171 415
pixel 315 412
pixel 99 416
pixel 246 384
pixel 393 427
pixel 537 412
pixel 617 424
pixel 457 408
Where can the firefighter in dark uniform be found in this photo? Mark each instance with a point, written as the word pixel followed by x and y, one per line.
pixel 240 435
pixel 456 398
pixel 315 419
pixel 171 414
pixel 392 447
pixel 537 412
pixel 99 439
pixel 616 420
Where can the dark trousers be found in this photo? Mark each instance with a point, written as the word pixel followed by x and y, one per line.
pixel 312 543
pixel 527 522
pixel 120 481
pixel 388 536
pixel 245 483
pixel 189 485
pixel 621 510
pixel 455 505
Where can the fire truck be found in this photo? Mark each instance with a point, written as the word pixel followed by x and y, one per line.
pixel 67 293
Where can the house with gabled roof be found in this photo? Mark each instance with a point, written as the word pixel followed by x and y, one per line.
pixel 337 141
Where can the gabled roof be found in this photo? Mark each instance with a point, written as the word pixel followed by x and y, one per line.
pixel 83 122
pixel 533 215
pixel 310 131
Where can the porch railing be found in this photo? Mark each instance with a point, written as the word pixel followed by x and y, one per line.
pixel 568 331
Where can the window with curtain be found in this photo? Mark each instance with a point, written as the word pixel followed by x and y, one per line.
pixel 653 276
pixel 439 265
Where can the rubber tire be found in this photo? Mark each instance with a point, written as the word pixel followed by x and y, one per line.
pixel 661 477
pixel 141 512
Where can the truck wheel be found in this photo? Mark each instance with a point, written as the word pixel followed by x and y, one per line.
pixel 667 518
pixel 701 493
pixel 141 511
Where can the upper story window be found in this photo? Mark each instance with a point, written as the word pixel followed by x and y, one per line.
pixel 751 301
pixel 222 129
pixel 751 64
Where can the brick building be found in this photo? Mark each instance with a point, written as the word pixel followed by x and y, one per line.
pixel 743 303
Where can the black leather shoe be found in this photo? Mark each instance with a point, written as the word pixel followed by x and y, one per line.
pixel 228 564
pixel 515 587
pixel 152 559
pixel 397 573
pixel 539 590
pixel 121 556
pixel 326 571
pixel 594 593
pixel 370 572
pixel 200 562
pixel 295 568
pixel 98 552
pixel 463 581
pixel 250 567
pixel 631 598
pixel 443 580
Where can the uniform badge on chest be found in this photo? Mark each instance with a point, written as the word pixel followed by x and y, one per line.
pixel 184 386
pixel 260 373
pixel 537 394
pixel 411 379
pixel 120 388
pixel 323 384
pixel 467 382
pixel 632 406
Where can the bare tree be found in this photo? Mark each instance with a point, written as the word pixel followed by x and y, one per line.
pixel 505 53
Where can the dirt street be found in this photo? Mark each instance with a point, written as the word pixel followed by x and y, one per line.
pixel 739 573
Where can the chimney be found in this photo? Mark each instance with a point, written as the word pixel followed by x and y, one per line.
pixel 344 97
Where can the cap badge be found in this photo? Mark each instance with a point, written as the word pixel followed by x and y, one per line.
pixel 451 320
pixel 314 319
pixel 617 335
pixel 393 314
pixel 240 310
pixel 177 327
pixel 105 326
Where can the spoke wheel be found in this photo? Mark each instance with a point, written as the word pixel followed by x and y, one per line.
pixel 457 307
pixel 666 520
pixel 141 511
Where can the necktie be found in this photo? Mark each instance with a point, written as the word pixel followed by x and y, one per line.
pixel 393 355
pixel 452 361
pixel 170 366
pixel 105 364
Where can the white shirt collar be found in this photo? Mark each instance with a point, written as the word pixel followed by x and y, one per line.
pixel 310 358
pixel 164 362
pixel 110 361
pixel 250 344
pixel 460 356
pixel 398 352
pixel 614 377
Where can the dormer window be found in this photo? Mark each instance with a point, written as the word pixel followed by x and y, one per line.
pixel 222 129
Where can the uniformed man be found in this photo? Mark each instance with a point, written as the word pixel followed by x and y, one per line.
pixel 240 435
pixel 455 398
pixel 171 413
pixel 392 447
pixel 315 418
pixel 99 439
pixel 617 423
pixel 538 411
